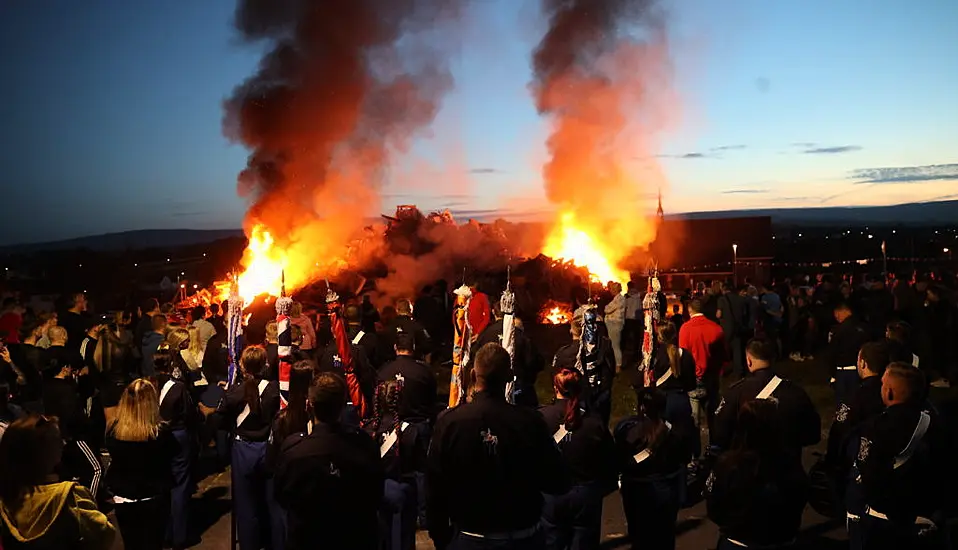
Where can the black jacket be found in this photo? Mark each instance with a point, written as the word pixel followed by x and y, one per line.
pixel 141 469
pixel 489 463
pixel 800 423
pixel 331 484
pixel 588 450
pixel 418 400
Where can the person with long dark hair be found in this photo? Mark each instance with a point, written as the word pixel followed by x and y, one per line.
pixel 674 374
pixel 757 491
pixel 652 460
pixel 573 519
pixel 140 474
pixel 294 419
pixel 249 407
pixel 37 510
pixel 181 416
pixel 403 454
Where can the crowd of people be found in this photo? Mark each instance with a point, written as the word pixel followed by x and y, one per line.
pixel 114 414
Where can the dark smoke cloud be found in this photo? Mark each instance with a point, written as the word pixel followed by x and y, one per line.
pixel 344 87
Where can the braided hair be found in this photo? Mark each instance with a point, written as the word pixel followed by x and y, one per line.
pixel 386 403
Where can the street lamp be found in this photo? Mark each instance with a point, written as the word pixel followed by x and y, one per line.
pixel 735 264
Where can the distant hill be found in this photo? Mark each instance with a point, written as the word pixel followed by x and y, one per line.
pixel 135 240
pixel 915 214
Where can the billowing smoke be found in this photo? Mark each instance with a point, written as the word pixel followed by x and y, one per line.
pixel 344 88
pixel 602 78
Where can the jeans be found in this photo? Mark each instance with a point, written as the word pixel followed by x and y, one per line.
pixel 182 488
pixel 461 541
pixel 398 515
pixel 143 524
pixel 250 493
pixel 615 334
pixel 573 521
pixel 704 408
pixel 651 507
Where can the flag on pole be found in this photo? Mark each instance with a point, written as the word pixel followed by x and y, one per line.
pixel 461 342
pixel 234 332
pixel 507 303
pixel 284 340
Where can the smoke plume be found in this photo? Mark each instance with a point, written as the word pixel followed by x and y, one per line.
pixel 601 75
pixel 344 88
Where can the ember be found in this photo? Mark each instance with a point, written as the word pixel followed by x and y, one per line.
pixel 555 313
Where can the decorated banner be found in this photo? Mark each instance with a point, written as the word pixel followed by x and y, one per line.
pixel 652 310
pixel 234 332
pixel 284 339
pixel 507 304
pixel 344 353
pixel 462 340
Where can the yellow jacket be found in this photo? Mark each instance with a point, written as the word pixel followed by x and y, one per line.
pixel 36 523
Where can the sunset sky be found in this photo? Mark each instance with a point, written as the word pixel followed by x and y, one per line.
pixel 112 112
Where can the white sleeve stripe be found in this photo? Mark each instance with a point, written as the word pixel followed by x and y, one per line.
pixel 97 470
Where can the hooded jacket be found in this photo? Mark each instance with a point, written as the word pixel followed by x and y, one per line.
pixel 57 516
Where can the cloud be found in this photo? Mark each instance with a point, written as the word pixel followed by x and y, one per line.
pixel 943 198
pixel 832 150
pixel 906 174
pixel 485 171
pixel 804 144
pixel 727 148
pixel 744 191
pixel 794 199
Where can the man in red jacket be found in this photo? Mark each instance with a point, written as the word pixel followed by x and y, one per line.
pixel 704 339
pixel 478 312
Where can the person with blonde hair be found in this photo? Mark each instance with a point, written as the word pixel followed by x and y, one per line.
pixel 140 475
pixel 36 509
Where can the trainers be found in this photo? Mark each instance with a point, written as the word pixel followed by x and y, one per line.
pixel 795 356
pixel 941 383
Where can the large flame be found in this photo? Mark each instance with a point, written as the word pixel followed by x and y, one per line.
pixel 264 264
pixel 575 242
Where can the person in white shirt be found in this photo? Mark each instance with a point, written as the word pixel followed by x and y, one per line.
pixel 631 340
pixel 205 328
pixel 614 322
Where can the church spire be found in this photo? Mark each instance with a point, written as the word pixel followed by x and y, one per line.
pixel 660 213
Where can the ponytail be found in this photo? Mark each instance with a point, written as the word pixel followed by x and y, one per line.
pixel 667 338
pixel 651 405
pixel 568 384
pixel 253 366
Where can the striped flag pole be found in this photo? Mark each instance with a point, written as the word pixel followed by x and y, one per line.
pixel 285 340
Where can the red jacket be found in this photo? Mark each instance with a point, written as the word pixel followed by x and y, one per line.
pixel 705 339
pixel 478 313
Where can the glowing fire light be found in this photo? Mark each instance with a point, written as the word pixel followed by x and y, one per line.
pixel 572 242
pixel 264 264
pixel 555 313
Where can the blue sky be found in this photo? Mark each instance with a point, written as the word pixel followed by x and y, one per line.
pixel 112 112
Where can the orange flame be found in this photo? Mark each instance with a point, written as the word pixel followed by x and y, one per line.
pixel 574 242
pixel 264 264
pixel 555 313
